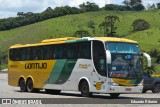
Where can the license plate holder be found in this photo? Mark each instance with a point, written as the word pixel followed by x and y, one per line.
pixel 128 89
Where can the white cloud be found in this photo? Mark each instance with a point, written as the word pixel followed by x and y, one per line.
pixel 10 8
pixel 6 14
pixel 145 2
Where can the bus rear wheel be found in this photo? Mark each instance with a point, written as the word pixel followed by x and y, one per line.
pixel 30 85
pixel 22 85
pixel 84 88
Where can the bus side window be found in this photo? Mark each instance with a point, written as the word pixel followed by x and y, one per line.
pixel 75 50
pixel 28 54
pixel 33 53
pixel 65 49
pixel 60 52
pixel 99 58
pixel 53 52
pixel 69 51
pixel 84 50
pixel 56 52
pixel 17 54
pixel 44 51
pixel 23 54
pixel 48 53
pixel 11 54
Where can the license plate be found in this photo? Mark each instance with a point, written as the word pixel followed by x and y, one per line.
pixel 128 89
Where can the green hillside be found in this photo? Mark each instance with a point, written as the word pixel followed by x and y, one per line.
pixel 67 25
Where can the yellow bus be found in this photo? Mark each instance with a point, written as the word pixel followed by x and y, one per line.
pixel 89 65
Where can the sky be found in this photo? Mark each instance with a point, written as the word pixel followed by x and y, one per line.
pixel 9 8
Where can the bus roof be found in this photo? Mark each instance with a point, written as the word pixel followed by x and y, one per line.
pixel 113 39
pixel 73 39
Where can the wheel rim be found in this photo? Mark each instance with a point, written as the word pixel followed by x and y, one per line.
pixel 157 88
pixel 84 89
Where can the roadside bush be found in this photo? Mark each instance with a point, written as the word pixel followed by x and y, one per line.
pixel 153 53
pixel 158 58
pixel 81 33
pixel 150 70
pixel 140 24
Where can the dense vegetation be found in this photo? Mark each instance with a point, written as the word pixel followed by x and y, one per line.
pixel 23 19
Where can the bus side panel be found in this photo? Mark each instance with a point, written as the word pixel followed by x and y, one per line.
pixel 84 69
pixel 39 70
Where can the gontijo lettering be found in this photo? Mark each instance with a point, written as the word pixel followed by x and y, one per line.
pixel 36 66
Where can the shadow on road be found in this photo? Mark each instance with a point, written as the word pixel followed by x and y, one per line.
pixel 98 96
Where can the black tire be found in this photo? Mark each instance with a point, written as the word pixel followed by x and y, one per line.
pixel 84 88
pixel 144 91
pixel 156 88
pixel 22 85
pixel 114 95
pixel 49 91
pixel 29 85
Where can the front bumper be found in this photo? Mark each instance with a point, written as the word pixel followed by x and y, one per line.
pixel 125 89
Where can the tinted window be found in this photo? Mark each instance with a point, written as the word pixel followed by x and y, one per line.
pixel 99 57
pixel 84 50
pixel 118 47
pixel 58 51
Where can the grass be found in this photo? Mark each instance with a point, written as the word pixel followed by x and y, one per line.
pixel 67 25
pixel 3 66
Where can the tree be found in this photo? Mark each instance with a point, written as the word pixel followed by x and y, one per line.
pixel 91 25
pixel 158 5
pixel 49 9
pixel 86 7
pixel 75 10
pixel 148 6
pixel 20 14
pixel 138 7
pixel 114 7
pixel 82 7
pixel 133 4
pixel 81 33
pixel 153 6
pixel 92 7
pixel 109 25
pixel 140 24
pixel 111 7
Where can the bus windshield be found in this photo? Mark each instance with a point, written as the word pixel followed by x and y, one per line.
pixel 121 47
pixel 126 60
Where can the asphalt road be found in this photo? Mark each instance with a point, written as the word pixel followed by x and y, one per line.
pixel 70 97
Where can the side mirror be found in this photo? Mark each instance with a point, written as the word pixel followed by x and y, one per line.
pixel 148 59
pixel 108 57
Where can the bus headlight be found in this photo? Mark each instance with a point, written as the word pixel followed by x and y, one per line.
pixel 113 83
pixel 141 83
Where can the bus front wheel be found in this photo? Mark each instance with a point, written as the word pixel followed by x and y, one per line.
pixel 84 88
pixel 22 85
